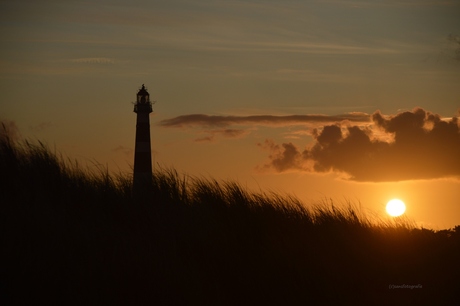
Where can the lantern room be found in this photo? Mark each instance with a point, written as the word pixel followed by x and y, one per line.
pixel 143 104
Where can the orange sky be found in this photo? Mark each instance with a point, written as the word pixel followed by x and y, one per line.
pixel 292 96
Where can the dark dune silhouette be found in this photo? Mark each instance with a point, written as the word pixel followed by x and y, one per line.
pixel 75 237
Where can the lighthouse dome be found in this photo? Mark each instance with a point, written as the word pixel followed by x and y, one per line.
pixel 143 91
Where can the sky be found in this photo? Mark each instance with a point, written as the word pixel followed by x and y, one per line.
pixel 350 101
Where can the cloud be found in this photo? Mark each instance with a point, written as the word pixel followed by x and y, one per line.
pixel 9 129
pixel 393 3
pixel 297 134
pixel 226 133
pixel 93 60
pixel 283 47
pixel 222 124
pixel 423 146
pixel 283 157
pixel 201 120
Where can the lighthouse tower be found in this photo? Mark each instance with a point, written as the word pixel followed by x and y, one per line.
pixel 143 155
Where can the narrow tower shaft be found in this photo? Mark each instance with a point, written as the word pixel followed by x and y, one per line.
pixel 143 155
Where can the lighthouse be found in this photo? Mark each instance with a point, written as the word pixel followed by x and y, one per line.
pixel 142 176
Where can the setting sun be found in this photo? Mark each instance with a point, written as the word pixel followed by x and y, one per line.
pixel 395 207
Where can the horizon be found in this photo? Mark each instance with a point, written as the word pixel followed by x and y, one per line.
pixel 279 96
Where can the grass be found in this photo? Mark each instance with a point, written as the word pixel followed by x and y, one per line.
pixel 71 236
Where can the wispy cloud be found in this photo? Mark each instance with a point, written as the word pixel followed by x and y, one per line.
pixel 93 60
pixel 423 146
pixel 393 3
pixel 204 121
pixel 225 133
pixel 216 127
pixel 284 47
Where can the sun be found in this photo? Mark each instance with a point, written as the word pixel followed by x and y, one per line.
pixel 395 207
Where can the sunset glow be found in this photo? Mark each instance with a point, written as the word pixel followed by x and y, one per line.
pixel 349 100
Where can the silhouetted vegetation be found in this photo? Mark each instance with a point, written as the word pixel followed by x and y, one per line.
pixel 76 237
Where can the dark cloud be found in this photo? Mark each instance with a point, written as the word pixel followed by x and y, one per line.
pixel 232 133
pixel 203 121
pixel 424 146
pixel 8 128
pixel 283 157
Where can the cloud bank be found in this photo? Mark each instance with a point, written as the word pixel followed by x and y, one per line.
pixel 423 146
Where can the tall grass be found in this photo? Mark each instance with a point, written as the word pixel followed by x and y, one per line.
pixel 74 236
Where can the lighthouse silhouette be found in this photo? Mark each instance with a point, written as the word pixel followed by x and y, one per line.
pixel 142 176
